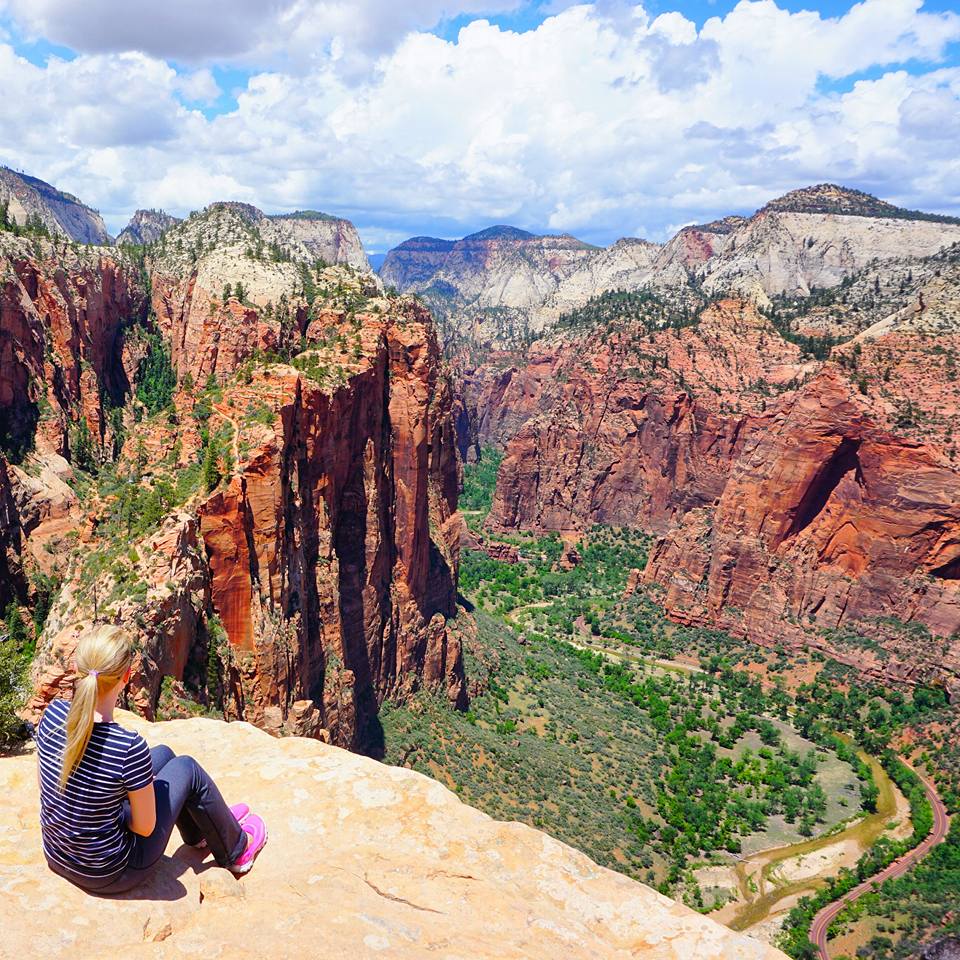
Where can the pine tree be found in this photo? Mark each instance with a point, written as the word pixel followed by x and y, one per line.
pixel 211 467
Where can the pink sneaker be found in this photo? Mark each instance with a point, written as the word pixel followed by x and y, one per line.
pixel 239 810
pixel 256 831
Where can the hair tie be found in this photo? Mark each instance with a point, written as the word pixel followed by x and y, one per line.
pixel 94 674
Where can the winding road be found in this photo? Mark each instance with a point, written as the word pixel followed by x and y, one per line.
pixel 941 826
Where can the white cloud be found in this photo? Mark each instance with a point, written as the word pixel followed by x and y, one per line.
pixel 593 122
pixel 297 31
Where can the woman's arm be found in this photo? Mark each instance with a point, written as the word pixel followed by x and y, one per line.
pixel 143 810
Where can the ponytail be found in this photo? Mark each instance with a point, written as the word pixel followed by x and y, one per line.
pixel 79 724
pixel 103 656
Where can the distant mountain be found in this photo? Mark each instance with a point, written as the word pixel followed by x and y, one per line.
pixel 62 214
pixel 501 232
pixel 497 276
pixel 147 226
pixel 501 286
pixel 845 201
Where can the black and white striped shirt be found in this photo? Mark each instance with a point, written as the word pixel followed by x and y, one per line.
pixel 83 828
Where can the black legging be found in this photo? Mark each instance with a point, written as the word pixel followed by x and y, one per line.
pixel 186 798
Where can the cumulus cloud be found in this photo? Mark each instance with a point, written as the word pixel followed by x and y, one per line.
pixel 205 30
pixel 596 121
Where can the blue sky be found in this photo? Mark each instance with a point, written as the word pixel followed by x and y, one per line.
pixel 444 116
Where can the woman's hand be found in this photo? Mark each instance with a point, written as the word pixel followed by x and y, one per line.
pixel 143 810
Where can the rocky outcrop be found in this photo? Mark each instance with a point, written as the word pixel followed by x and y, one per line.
pixel 794 252
pixel 63 318
pixel 317 579
pixel 147 226
pixel 310 235
pixel 62 214
pixel 845 201
pixel 11 541
pixel 501 287
pixel 363 860
pixel 413 264
pixel 157 588
pixel 323 569
pixel 488 284
pixel 230 281
pixel 827 526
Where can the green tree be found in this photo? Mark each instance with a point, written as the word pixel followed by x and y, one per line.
pixel 211 467
pixel 12 671
pixel 83 453
pixel 156 380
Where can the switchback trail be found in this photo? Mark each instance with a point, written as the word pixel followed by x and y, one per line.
pixel 941 826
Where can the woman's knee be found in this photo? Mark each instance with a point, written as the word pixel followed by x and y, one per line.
pixel 160 756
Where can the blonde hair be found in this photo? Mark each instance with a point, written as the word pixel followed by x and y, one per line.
pixel 103 655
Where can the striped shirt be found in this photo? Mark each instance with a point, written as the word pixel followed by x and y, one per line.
pixel 83 827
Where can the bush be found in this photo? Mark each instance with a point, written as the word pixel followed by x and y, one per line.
pixel 13 668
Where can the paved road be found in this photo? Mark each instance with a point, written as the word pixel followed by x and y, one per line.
pixel 941 826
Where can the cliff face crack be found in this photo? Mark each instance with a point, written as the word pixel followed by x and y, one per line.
pixel 843 461
pixel 396 899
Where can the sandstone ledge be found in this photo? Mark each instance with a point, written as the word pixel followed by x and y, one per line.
pixel 364 860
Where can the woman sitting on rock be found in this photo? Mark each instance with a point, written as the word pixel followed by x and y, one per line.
pixel 108 803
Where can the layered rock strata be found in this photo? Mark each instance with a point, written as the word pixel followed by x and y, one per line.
pixel 828 528
pixel 607 428
pixel 64 318
pixel 62 214
pixel 328 553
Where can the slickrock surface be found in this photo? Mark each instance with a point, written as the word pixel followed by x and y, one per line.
pixel 61 213
pixel 363 861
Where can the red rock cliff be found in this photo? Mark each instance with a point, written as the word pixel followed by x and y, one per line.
pixel 827 525
pixel 608 429
pixel 62 319
pixel 333 551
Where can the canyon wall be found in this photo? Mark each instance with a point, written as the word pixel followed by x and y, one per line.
pixel 323 568
pixel 61 214
pixel 316 575
pixel 789 505
pixel 607 427
pixel 827 527
pixel 64 315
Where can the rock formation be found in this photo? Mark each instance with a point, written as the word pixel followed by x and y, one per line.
pixel 490 281
pixel 329 552
pixel 497 288
pixel 64 316
pixel 147 226
pixel 363 860
pixel 827 524
pixel 61 214
pixel 789 510
pixel 607 432
pixel 227 280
